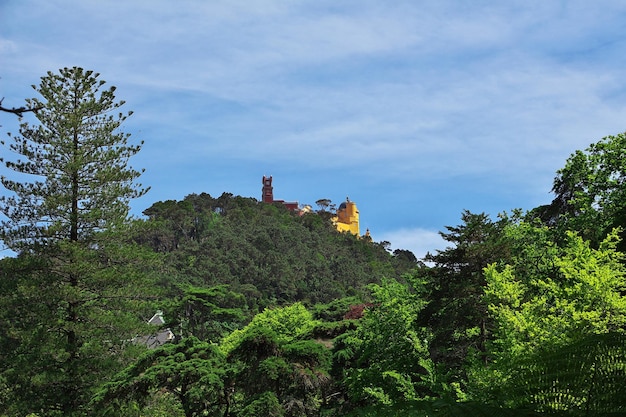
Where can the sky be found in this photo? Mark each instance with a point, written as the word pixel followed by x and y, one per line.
pixel 415 110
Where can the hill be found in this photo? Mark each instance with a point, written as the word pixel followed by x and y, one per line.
pixel 266 252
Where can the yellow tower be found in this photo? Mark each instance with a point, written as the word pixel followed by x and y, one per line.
pixel 347 218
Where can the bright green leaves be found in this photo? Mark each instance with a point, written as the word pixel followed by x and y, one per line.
pixel 276 366
pixel 595 279
pixel 503 289
pixel 381 361
pixel 287 324
pixel 582 295
pixel 544 309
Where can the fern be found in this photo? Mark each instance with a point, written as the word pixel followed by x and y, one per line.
pixel 438 408
pixel 584 378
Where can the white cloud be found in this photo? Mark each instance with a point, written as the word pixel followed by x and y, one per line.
pixel 404 91
pixel 417 240
pixel 7 46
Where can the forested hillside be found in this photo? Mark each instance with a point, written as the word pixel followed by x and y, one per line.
pixel 269 253
pixel 271 313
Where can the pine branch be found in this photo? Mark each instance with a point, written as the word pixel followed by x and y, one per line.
pixel 18 111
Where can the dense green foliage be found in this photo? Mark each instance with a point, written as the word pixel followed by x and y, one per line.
pixel 278 314
pixel 264 251
pixel 385 360
pixel 75 294
pixel 192 371
pixel 456 312
pixel 590 197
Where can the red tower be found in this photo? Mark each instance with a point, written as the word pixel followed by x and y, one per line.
pixel 268 190
pixel 268 195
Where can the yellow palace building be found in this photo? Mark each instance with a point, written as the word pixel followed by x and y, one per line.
pixel 347 218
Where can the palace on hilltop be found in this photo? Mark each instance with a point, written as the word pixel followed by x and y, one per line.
pixel 346 219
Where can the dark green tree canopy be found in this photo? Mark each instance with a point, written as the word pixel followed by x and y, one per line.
pixel 192 371
pixel 265 251
pixel 590 192
pixel 78 291
pixel 454 286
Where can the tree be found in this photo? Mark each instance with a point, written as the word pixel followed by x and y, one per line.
pixel 275 368
pixel 590 192
pixel 70 218
pixel 386 359
pixel 208 313
pixel 192 371
pixel 567 295
pixel 82 158
pixel 456 313
pixel 580 296
pixel 323 203
pixel 405 260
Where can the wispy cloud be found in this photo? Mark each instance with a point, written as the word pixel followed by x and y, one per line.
pixel 374 93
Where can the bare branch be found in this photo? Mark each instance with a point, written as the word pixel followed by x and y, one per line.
pixel 18 111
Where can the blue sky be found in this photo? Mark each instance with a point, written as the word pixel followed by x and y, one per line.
pixel 416 110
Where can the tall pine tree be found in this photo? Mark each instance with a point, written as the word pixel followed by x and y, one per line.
pixel 78 299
